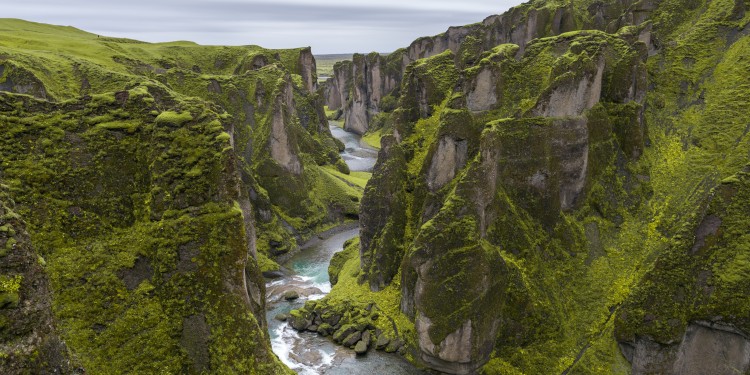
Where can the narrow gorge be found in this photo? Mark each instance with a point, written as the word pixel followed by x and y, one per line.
pixel 563 188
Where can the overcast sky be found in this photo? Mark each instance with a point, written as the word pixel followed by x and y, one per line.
pixel 330 26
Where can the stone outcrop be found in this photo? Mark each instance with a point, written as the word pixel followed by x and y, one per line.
pixel 705 348
pixel 360 90
pixel 283 149
pixel 16 79
pixel 449 158
pixel 157 207
pixel 337 87
pixel 29 341
pixel 425 85
pixel 531 166
pixel 482 95
pixel 383 221
pixel 308 70
pixel 453 355
pixel 573 97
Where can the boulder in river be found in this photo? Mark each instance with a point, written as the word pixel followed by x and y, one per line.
pixel 287 291
pixel 274 274
pixel 361 347
pixel 394 346
pixel 382 342
pixel 290 295
pixel 299 319
pixel 281 317
pixel 352 339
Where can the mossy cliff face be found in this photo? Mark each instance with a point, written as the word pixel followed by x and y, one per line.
pixel 29 341
pixel 358 88
pixel 367 85
pixel 689 314
pixel 476 191
pixel 536 202
pixel 383 223
pixel 155 181
pixel 141 224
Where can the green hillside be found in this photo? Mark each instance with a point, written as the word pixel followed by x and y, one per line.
pixel 154 179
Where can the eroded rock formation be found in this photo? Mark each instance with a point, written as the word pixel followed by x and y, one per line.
pixel 160 194
pixel 538 155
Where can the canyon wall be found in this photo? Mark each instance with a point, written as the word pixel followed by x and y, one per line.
pixel 157 183
pixel 357 87
pixel 557 188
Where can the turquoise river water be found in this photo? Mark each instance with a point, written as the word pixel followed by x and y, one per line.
pixel 306 352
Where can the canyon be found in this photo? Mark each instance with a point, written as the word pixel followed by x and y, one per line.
pixel 561 188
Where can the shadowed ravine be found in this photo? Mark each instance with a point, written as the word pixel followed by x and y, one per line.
pixel 306 352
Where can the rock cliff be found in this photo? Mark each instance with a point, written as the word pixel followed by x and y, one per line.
pixel 154 181
pixel 359 98
pixel 29 341
pixel 556 190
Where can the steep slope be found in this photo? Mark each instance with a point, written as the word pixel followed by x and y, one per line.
pixel 29 342
pixel 370 84
pixel 156 180
pixel 543 179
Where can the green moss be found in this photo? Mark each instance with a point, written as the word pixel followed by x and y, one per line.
pixel 706 269
pixel 330 113
pixel 9 291
pixel 223 137
pixel 372 138
pixel 340 259
pixel 266 264
pixel 173 118
pixel 129 127
pixel 348 290
pixel 131 198
pixel 642 188
pixel 10 244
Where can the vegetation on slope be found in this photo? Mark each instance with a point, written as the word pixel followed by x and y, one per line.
pixel 566 260
pixel 151 177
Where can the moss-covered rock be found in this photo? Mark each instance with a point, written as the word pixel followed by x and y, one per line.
pixel 143 171
pixel 339 260
pixel 29 339
pixel 697 287
pixel 383 220
pixel 552 172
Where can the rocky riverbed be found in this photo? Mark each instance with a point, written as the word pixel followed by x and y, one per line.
pixel 306 281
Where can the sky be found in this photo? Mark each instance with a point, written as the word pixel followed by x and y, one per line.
pixel 330 26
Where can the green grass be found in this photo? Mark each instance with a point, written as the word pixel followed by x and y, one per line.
pixel 60 55
pixel 358 179
pixel 325 63
pixel 330 114
pixel 372 138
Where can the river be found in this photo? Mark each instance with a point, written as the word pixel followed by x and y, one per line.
pixel 306 352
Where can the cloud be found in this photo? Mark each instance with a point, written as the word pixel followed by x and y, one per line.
pixel 331 27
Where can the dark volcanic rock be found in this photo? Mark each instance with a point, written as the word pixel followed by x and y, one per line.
pixel 29 342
